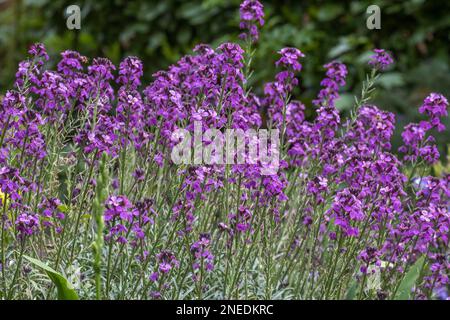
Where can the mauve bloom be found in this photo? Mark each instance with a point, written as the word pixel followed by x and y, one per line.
pixel 154 276
pixel 442 293
pixel 130 72
pixel 369 256
pixel 102 68
pixel 416 142
pixel 38 50
pixel 51 213
pixel 435 106
pixel 119 215
pixel 430 154
pixel 289 58
pixel 276 92
pixel 201 252
pixel 118 207
pixel 138 174
pixel 165 267
pixel 373 127
pixel 71 62
pixel 27 224
pixel 11 183
pixel 252 15
pixel 103 138
pixel 381 59
pixel 346 209
pixel 167 261
pixel 335 78
pixel 353 177
pixel 155 295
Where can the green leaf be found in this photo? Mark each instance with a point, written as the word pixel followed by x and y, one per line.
pixel 64 287
pixel 351 292
pixel 410 279
pixel 63 208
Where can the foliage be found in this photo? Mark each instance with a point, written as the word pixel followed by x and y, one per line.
pixel 64 288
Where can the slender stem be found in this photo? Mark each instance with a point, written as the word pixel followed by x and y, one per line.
pixel 16 273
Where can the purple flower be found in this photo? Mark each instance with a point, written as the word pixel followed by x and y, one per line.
pixel 154 276
pixel 370 256
pixel 165 267
pixel 373 127
pixel 139 174
pixel 71 63
pixel 252 15
pixel 435 106
pixel 102 138
pixel 130 72
pixel 240 221
pixel 415 141
pixel 119 215
pixel 289 58
pixel 346 209
pixel 202 254
pixel 167 261
pixel 51 215
pixel 155 295
pixel 11 183
pixel 38 51
pixel 335 78
pixel 342 178
pixel 102 68
pixel 27 224
pixel 381 59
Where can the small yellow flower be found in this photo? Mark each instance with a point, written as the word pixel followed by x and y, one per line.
pixel 3 197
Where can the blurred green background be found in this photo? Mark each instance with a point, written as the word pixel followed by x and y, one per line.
pixel 417 32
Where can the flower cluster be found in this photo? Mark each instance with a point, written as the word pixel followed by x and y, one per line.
pixel 85 164
pixel 52 213
pixel 167 261
pixel 203 258
pixel 435 106
pixel 119 214
pixel 381 59
pixel 335 78
pixel 416 143
pixel 27 224
pixel 252 15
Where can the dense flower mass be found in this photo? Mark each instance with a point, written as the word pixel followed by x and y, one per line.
pixel 87 182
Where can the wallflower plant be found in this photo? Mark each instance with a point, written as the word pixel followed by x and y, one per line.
pixel 87 185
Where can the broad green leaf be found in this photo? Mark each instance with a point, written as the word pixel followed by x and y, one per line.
pixel 410 279
pixel 64 287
